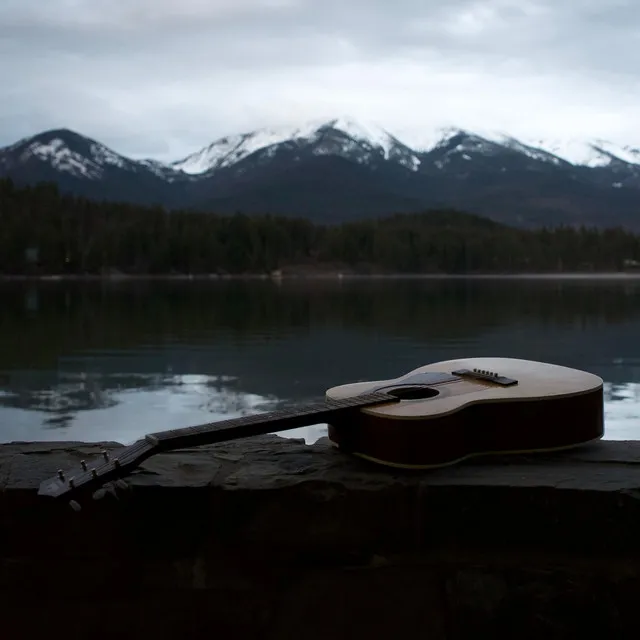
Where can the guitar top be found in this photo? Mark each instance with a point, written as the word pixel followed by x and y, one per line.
pixel 433 416
pixel 485 380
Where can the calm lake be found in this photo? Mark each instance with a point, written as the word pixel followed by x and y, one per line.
pixel 113 361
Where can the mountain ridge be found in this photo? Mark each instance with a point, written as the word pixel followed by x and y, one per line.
pixel 341 169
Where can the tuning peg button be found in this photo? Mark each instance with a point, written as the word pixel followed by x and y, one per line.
pixel 75 505
pixel 99 494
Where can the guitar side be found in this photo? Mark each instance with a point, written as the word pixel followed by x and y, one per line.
pixel 550 408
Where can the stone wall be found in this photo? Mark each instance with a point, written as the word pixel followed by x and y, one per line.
pixel 269 538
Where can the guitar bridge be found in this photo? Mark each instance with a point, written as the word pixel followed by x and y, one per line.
pixel 487 376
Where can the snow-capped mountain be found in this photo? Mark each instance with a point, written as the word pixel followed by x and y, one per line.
pixel 342 169
pixel 581 153
pixel 54 151
pixel 77 156
pixel 361 142
pixel 86 167
pixel 364 143
pixel 458 144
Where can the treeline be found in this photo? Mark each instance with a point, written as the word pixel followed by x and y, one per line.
pixel 44 231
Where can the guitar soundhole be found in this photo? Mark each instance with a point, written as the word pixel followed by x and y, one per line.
pixel 412 392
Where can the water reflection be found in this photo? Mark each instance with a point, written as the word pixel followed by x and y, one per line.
pixel 113 362
pixel 123 408
pixel 622 411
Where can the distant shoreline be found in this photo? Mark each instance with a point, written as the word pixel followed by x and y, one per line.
pixel 614 275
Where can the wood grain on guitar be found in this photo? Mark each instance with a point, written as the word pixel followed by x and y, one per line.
pixel 433 416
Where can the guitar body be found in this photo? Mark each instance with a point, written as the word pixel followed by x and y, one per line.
pixel 512 406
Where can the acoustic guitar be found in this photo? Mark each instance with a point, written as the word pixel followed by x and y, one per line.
pixel 433 416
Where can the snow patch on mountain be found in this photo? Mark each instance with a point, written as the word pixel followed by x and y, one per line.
pixel 437 137
pixel 61 157
pixel 160 169
pixel 103 155
pixel 625 153
pixel 576 152
pixel 536 153
pixel 365 132
pixel 595 153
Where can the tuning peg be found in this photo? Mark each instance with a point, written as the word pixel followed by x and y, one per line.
pixel 75 505
pixel 105 455
pixel 61 474
pixel 94 473
pixel 99 494
pixel 83 464
pixel 112 490
pixel 107 488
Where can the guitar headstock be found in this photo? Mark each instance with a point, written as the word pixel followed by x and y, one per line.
pixel 102 475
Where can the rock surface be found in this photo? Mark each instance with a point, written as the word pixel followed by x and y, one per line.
pixel 271 538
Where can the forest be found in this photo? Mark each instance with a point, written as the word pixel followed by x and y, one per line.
pixel 43 231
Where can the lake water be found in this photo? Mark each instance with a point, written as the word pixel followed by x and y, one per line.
pixel 113 361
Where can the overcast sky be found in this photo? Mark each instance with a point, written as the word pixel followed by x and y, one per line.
pixel 162 78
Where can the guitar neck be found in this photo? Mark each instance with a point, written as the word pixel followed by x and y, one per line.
pixel 128 458
pixel 259 424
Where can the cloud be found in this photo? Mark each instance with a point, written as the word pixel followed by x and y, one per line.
pixel 162 78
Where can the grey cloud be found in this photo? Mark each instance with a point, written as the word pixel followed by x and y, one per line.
pixel 263 33
pixel 128 71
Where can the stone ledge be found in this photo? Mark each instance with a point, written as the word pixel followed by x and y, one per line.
pixel 593 490
pixel 270 462
pixel 281 526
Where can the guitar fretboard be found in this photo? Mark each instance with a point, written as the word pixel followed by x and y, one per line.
pixel 262 423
